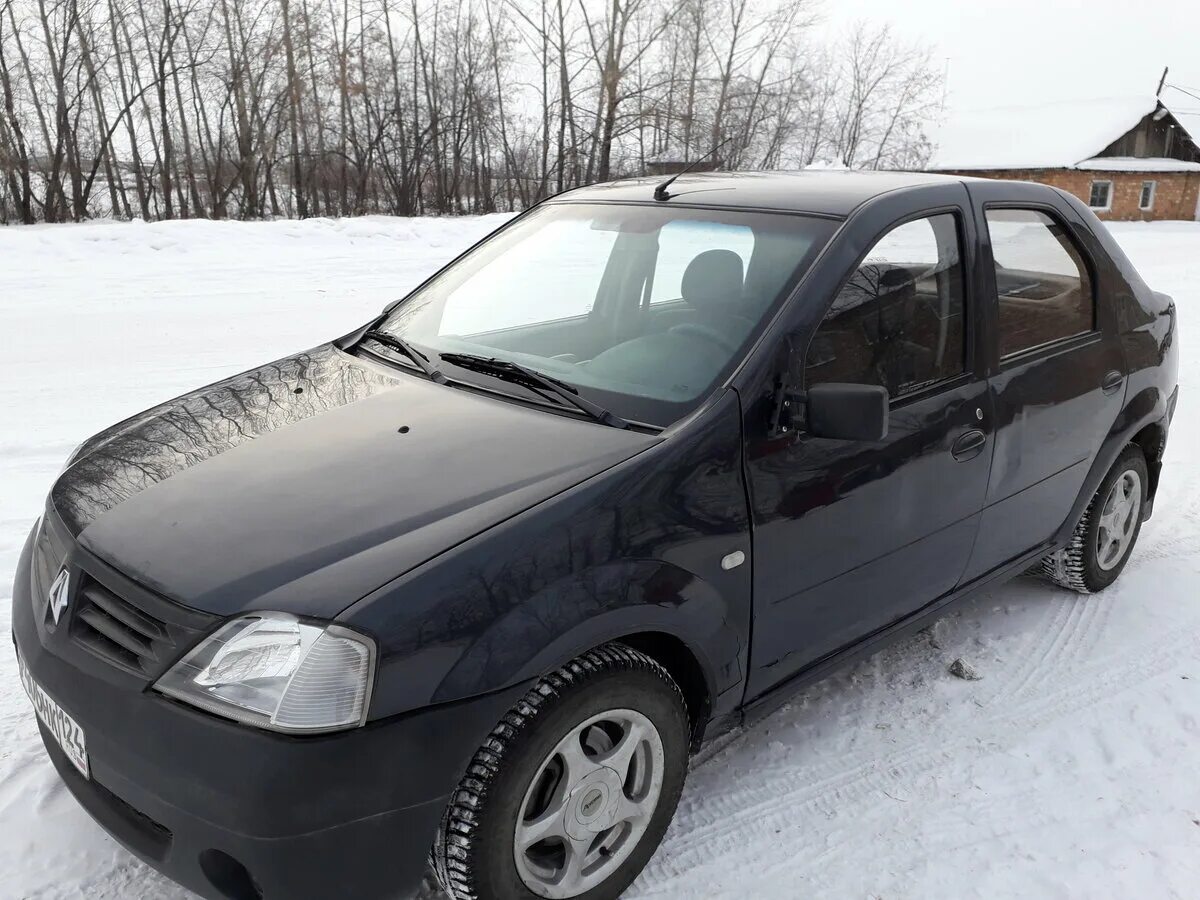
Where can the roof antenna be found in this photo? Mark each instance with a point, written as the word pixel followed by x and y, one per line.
pixel 660 192
pixel 1162 81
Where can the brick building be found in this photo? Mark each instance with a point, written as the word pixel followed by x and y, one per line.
pixel 1127 158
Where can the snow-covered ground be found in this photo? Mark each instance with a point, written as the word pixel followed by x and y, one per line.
pixel 1069 770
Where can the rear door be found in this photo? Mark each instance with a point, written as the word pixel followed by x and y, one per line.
pixel 851 536
pixel 1058 372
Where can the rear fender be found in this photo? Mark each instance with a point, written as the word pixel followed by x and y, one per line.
pixel 1147 407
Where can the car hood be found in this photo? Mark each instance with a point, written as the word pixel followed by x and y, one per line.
pixel 305 484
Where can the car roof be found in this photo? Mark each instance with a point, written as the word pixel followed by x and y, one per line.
pixel 825 192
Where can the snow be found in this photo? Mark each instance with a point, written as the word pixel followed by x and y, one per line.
pixel 1137 164
pixel 1051 135
pixel 1185 106
pixel 1067 771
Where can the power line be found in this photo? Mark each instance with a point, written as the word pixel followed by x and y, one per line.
pixel 1185 91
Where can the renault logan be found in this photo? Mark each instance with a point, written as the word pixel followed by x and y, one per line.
pixel 479 576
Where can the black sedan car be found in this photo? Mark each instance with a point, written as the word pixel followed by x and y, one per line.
pixel 468 585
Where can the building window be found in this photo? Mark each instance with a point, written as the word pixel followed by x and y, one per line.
pixel 1101 195
pixel 1147 198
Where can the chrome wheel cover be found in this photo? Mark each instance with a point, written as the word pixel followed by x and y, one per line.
pixel 589 804
pixel 1119 518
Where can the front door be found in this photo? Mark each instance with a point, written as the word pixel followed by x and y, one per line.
pixel 850 537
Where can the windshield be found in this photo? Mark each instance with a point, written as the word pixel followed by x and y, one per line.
pixel 644 310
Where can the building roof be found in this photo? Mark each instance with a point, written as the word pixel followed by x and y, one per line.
pixel 1061 135
pixel 1137 164
pixel 1185 107
pixel 824 192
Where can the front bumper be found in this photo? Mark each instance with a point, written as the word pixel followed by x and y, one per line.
pixel 235 813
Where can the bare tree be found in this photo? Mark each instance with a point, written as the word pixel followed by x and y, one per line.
pixel 889 87
pixel 250 108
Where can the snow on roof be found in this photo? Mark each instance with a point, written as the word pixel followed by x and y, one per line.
pixel 1137 164
pixel 1046 136
pixel 1190 120
pixel 1185 107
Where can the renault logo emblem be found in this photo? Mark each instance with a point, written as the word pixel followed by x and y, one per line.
pixel 59 594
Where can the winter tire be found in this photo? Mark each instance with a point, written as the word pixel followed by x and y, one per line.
pixel 571 792
pixel 1107 530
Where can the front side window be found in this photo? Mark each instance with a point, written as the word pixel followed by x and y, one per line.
pixel 643 309
pixel 1101 197
pixel 1045 291
pixel 1146 201
pixel 898 321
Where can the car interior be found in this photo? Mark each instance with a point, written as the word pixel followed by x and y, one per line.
pixel 1036 307
pixel 1042 281
pixel 895 324
pixel 668 348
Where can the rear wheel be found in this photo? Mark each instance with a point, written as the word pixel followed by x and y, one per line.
pixel 1107 530
pixel 571 793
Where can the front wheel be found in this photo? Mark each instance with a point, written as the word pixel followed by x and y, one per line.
pixel 570 794
pixel 1107 530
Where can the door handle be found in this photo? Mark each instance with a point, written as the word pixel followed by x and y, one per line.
pixel 968 445
pixel 1112 381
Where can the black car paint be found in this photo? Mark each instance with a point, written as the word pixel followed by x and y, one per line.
pixel 820 499
pixel 491 542
pixel 320 495
pixel 179 788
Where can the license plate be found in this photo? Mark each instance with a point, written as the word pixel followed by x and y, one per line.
pixel 66 730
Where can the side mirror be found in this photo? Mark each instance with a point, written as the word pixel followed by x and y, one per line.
pixel 848 412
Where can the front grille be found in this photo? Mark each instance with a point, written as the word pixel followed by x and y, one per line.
pixel 112 617
pixel 119 632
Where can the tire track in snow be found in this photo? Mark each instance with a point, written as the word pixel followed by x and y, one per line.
pixel 1075 639
pixel 754 815
pixel 1077 626
pixel 1058 619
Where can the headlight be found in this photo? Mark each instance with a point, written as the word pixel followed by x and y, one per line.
pixel 276 672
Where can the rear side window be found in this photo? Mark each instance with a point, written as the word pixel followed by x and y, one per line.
pixel 898 321
pixel 1045 291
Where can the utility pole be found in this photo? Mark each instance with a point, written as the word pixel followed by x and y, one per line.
pixel 1162 81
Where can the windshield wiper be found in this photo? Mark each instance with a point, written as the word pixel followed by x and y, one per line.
pixel 402 346
pixel 516 373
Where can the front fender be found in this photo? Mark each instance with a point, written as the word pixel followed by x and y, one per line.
pixel 635 549
pixel 603 604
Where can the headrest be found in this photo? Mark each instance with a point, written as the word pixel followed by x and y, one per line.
pixel 713 279
pixel 878 280
pixel 896 278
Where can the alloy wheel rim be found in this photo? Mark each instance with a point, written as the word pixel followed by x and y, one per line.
pixel 1118 519
pixel 589 804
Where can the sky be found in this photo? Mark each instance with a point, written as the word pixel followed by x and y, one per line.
pixel 1003 52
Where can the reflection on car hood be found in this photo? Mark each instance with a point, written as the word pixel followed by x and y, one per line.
pixel 306 483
